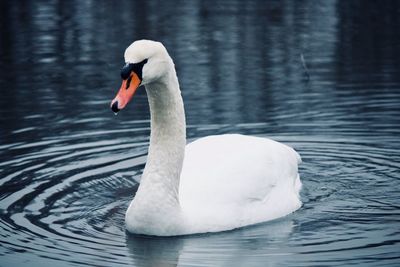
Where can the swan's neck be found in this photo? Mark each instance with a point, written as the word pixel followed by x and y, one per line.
pixel 168 135
pixel 157 199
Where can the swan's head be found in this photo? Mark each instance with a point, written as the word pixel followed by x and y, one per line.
pixel 145 62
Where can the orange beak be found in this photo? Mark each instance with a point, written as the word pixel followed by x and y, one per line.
pixel 126 92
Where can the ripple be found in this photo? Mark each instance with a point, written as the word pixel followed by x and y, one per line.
pixel 70 197
pixel 74 202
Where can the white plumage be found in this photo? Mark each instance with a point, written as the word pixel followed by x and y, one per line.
pixel 229 181
pixel 215 183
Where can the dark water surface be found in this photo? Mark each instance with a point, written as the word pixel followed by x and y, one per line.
pixel 69 167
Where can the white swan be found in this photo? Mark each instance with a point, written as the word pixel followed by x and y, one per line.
pixel 216 183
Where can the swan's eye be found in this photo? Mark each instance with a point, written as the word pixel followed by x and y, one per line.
pixel 138 68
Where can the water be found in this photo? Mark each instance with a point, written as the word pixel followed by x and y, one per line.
pixel 69 167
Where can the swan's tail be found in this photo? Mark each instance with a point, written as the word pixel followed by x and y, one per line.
pixel 298 157
pixel 297 182
pixel 297 185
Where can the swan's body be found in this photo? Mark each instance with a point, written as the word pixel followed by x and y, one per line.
pixel 216 183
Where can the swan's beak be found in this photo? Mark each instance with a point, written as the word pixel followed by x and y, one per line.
pixel 126 92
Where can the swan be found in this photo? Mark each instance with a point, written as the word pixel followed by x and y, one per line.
pixel 216 183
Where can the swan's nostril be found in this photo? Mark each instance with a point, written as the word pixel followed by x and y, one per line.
pixel 114 107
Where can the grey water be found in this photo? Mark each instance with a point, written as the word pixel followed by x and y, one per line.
pixel 321 76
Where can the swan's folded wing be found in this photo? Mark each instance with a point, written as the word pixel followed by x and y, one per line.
pixel 235 170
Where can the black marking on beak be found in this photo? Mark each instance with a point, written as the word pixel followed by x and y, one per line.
pixel 114 107
pixel 135 67
pixel 126 71
pixel 128 83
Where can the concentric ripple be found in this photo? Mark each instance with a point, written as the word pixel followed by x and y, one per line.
pixel 68 196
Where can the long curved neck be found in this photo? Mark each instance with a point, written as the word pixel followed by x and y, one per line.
pixel 167 141
pixel 155 208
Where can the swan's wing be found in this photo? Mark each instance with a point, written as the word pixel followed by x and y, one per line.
pixel 229 171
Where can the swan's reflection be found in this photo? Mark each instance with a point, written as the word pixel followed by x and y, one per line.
pixel 241 247
pixel 154 251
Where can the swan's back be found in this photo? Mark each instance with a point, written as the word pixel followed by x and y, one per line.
pixel 229 181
